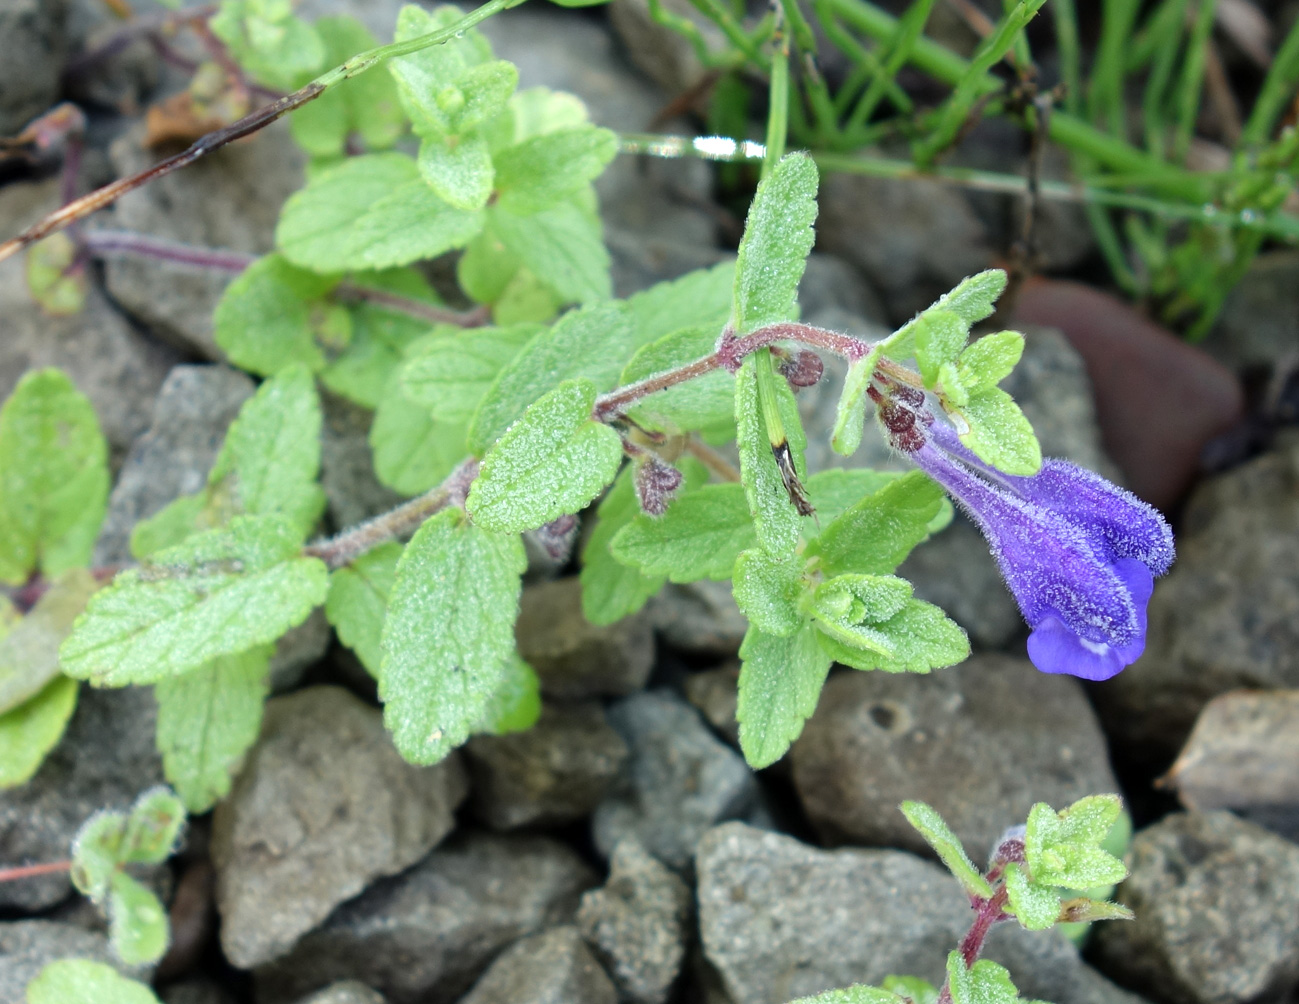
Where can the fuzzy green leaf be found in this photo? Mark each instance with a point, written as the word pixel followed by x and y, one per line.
pixel 412 451
pixel 487 89
pixel 984 983
pixel 972 300
pixel 990 360
pixel 428 80
pixel 856 994
pixel 207 720
pixel 80 981
pixel 552 461
pixel 999 433
pixel 875 535
pixel 915 989
pixel 850 413
pixel 836 490
pixel 699 537
pixel 53 477
pixel 1063 849
pixel 588 343
pixel 366 104
pixel 451 374
pixel 947 846
pixel 541 172
pixel 137 923
pixel 918 638
pixel 705 403
pixel 54 283
pixel 1036 907
pixel 370 212
pixel 777 238
pixel 29 651
pixel 702 298
pixel 612 590
pixel 269 316
pixel 270 44
pixel 96 854
pixel 562 246
pixel 219 593
pixel 153 827
pixel 775 519
pixel 460 172
pixel 768 589
pixel 358 602
pixel 29 731
pixel 516 704
pixel 780 683
pixel 449 635
pixel 940 335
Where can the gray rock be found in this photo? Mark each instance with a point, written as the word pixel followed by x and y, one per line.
pixel 347 465
pixel 228 200
pixel 554 967
pixel 665 55
pixel 1258 326
pixel 833 294
pixel 104 760
pixel 32 49
pixel 555 772
pixel 637 924
pixel 700 618
pixel 573 657
pixel 681 780
pixel 198 991
pixel 1217 913
pixel 913 240
pixel 638 261
pixel 116 367
pixel 323 806
pixel 298 650
pixel 190 416
pixel 1226 617
pixel 981 743
pixel 28 946
pixel 425 936
pixel 345 992
pixel 779 920
pixel 713 692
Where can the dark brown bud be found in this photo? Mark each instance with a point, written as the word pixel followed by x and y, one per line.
pixel 803 369
pixel 656 482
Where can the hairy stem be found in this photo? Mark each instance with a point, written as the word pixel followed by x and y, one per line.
pixel 988 913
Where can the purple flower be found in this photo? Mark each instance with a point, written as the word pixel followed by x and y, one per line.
pixel 1078 553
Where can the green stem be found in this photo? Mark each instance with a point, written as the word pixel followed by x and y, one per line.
pixel 1278 89
pixel 1191 84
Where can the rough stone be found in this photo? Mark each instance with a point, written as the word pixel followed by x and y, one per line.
pixel 833 294
pixel 116 367
pixel 1226 617
pixel 229 200
pixel 981 743
pixel 665 55
pixel 699 618
pixel 425 935
pixel 105 759
pixel 555 772
pixel 713 693
pixel 680 781
pixel 637 924
pixel 323 806
pixel 1258 325
pixel 1217 913
pixel 28 946
pixel 347 474
pixel 638 261
pixel 573 657
pixel 32 49
pixel 190 416
pixel 554 967
pixel 779 920
pixel 345 992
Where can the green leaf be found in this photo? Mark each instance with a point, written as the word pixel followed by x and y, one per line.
pixel 366 104
pixel 875 535
pixel 459 170
pixel 940 335
pixel 611 589
pixel 777 239
pixel 53 278
pixel 971 301
pixel 96 854
pixel 153 827
pixel 542 171
pixel 370 212
pixel 1036 907
pixel 80 981
pixel 836 490
pixel 990 360
pixel 451 374
pixel 780 682
pixel 915 989
pixel 358 602
pixel 219 593
pixel 449 635
pixel 918 638
pixel 855 994
pixel 999 434
pixel 984 983
pixel 699 537
pixel 587 343
pixel 137 922
pixel 538 110
pixel 487 89
pixel 1063 849
pixel 516 704
pixel 767 590
pixel 207 720
pixel 53 477
pixel 701 298
pixel 562 246
pixel 427 80
pixel 270 44
pixel 29 651
pixel 552 461
pixel 775 519
pixel 264 321
pixel 412 451
pixel 850 413
pixel 947 846
pixel 706 403
pixel 29 731
pixel 1082 910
